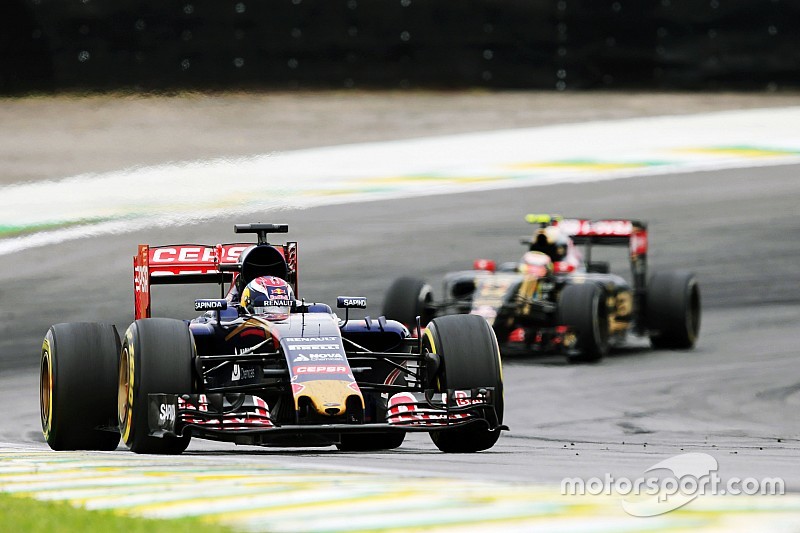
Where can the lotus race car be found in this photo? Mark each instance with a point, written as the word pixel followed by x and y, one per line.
pixel 261 367
pixel 557 300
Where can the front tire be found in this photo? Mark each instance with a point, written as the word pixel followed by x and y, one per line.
pixel 583 307
pixel 673 310
pixel 470 358
pixel 77 386
pixel 156 357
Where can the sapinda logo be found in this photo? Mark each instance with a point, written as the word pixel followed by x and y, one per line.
pixel 206 305
pixel 358 302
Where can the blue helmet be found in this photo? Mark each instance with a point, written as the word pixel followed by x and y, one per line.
pixel 268 295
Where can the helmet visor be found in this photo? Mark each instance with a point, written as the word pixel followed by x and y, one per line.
pixel 273 307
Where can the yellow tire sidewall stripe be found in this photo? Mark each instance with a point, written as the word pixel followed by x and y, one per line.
pixel 128 363
pixel 47 356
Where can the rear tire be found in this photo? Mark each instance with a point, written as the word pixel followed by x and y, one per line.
pixel 583 307
pixel 470 358
pixel 673 310
pixel 371 442
pixel 407 299
pixel 77 386
pixel 156 357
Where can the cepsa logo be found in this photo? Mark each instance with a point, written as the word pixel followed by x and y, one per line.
pixel 309 369
pixel 195 254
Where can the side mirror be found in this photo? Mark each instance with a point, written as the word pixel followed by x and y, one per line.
pixel 351 302
pixel 210 305
pixel 484 264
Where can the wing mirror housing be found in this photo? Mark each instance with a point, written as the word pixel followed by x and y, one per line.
pixel 484 264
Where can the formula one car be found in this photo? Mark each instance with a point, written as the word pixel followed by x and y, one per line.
pixel 261 367
pixel 557 300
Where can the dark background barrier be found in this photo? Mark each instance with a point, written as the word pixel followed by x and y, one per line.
pixel 541 44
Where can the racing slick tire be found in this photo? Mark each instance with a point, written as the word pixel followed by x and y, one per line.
pixel 470 358
pixel 673 310
pixel 371 442
pixel 77 386
pixel 407 299
pixel 156 357
pixel 583 307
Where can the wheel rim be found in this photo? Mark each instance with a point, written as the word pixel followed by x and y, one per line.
pixel 46 392
pixel 124 395
pixel 600 322
pixel 429 346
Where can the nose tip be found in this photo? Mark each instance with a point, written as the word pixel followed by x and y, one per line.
pixel 332 410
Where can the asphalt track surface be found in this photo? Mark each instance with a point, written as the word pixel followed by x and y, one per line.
pixel 736 396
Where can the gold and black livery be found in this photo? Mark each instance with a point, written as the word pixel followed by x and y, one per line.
pixel 575 306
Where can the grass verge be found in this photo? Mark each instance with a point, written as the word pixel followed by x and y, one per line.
pixel 24 515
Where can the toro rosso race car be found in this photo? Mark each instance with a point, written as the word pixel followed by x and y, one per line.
pixel 261 367
pixel 557 300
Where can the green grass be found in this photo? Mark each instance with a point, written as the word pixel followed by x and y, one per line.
pixel 18 231
pixel 25 515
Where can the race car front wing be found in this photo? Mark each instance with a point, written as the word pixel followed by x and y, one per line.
pixel 246 419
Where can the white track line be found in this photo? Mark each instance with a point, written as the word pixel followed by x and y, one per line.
pixel 136 198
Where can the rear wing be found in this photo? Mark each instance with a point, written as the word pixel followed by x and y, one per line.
pixel 194 263
pixel 614 232
pixel 632 233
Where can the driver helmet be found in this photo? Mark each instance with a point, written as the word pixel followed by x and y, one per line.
pixel 536 263
pixel 269 296
pixel 551 241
